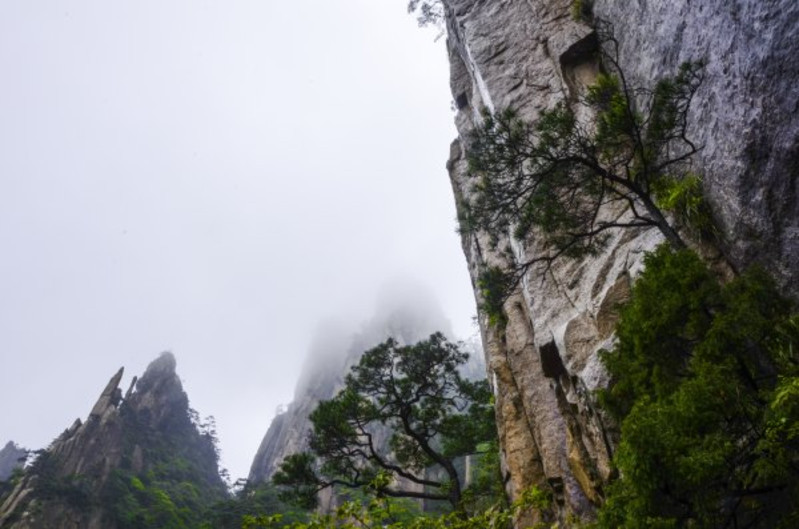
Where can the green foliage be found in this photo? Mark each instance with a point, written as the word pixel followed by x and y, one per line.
pixel 683 198
pixel 143 503
pixel 669 310
pixel 170 495
pixel 705 387
pixel 385 513
pixel 180 478
pixel 298 473
pixel 414 396
pixel 150 501
pixel 486 489
pixel 7 486
pixel 582 10
pixel 556 176
pixel 248 502
pixel 72 489
pixel 494 283
pixel 167 476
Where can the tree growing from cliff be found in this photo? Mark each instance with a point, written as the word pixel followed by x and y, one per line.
pixel 556 177
pixel 432 416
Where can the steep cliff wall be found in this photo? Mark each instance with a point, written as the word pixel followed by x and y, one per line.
pixel 73 484
pixel 531 55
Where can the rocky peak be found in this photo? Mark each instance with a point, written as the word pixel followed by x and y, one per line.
pixel 145 431
pixel 110 397
pixel 158 397
pixel 11 457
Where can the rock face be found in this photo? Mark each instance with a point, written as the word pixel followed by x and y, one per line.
pixel 70 485
pixel 11 457
pixel 409 318
pixel 531 55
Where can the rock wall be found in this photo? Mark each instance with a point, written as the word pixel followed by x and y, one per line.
pixel 531 55
pixel 746 115
pixel 119 434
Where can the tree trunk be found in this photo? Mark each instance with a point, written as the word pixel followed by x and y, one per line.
pixel 662 224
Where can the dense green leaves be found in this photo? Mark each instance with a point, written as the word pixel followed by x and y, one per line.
pixel 705 389
pixel 406 413
pixel 249 501
pixel 386 513
pixel 669 311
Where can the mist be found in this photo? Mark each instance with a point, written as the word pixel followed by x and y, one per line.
pixel 215 179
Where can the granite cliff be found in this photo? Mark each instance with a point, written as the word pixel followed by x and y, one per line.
pixel 532 55
pixel 82 479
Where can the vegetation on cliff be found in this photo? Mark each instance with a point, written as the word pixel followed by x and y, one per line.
pixel 385 513
pixel 704 373
pixel 705 380
pixel 568 181
pixel 180 478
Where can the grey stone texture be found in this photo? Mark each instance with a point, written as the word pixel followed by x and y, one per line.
pixel 531 55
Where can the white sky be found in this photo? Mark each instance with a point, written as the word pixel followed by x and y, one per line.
pixel 211 178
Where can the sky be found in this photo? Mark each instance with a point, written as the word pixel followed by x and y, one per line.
pixel 212 178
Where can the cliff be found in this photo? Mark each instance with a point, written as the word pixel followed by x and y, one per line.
pixel 532 55
pixel 98 472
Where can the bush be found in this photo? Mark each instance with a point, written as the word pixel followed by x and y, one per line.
pixel 706 389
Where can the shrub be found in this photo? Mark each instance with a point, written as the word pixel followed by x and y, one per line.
pixel 705 386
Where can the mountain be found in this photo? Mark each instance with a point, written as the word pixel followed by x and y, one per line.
pixel 11 457
pixel 407 313
pixel 142 460
pixel 532 56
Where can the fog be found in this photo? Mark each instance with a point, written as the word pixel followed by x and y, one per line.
pixel 215 179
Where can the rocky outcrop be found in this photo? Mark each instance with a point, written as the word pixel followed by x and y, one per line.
pixel 531 55
pixel 11 457
pixel 72 482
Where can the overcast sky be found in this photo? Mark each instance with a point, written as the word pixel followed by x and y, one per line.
pixel 212 178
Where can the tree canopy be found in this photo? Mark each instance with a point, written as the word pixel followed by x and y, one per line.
pixel 705 386
pixel 403 417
